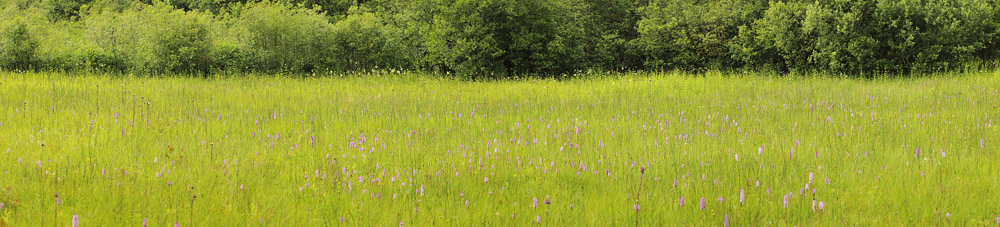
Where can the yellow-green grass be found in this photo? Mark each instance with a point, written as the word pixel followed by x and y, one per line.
pixel 275 151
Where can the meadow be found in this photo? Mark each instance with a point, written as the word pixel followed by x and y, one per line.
pixel 648 149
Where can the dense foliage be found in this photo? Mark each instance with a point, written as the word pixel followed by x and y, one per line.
pixel 498 38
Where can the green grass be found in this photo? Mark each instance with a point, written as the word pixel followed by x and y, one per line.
pixel 121 150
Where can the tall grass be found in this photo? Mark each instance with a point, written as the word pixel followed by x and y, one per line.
pixel 409 149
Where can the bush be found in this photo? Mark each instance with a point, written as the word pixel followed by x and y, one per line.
pixel 278 37
pixel 329 7
pixel 230 57
pixel 498 38
pixel 183 44
pixel 150 38
pixel 687 34
pixel 930 35
pixel 333 8
pixel 865 36
pixel 776 41
pixel 494 38
pixel 20 28
pixel 105 6
pixel 609 27
pixel 17 47
pixel 362 42
pixel 64 9
pixel 991 47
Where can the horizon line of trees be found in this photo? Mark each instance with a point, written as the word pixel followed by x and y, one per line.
pixel 498 38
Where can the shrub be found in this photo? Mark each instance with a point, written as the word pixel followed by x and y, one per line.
pixel 150 38
pixel 493 38
pixel 497 38
pixel 329 7
pixel 230 57
pixel 868 36
pixel 278 37
pixel 930 35
pixel 362 42
pixel 64 9
pixel 991 47
pixel 609 27
pixel 776 41
pixel 687 34
pixel 104 6
pixel 17 47
pixel 20 29
pixel 182 44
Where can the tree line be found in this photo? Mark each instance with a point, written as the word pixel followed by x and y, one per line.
pixel 498 38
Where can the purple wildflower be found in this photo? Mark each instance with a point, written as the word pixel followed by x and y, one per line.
pixel 741 196
pixel 76 221
pixel 725 223
pixel 702 203
pixel 682 200
pixel 538 218
pixel 786 201
pixel 942 153
pixel 916 153
pixel 636 207
pixel 820 205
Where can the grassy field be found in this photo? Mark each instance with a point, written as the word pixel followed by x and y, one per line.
pixel 650 150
